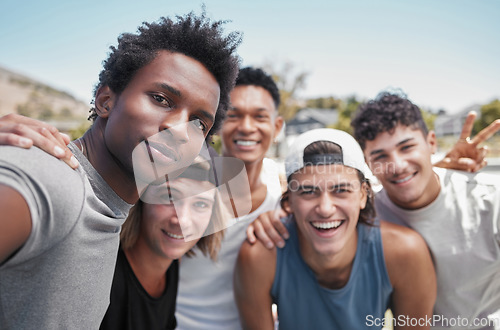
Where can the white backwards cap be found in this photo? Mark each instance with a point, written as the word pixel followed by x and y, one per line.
pixel 351 154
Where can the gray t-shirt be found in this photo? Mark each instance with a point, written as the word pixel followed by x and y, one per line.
pixel 61 277
pixel 462 229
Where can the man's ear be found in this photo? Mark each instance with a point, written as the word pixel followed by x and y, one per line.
pixel 278 125
pixel 365 194
pixel 432 141
pixel 285 202
pixel 104 101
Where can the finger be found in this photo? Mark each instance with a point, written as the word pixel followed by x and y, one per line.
pixel 14 118
pixel 52 142
pixel 272 233
pixel 60 149
pixel 464 164
pixel 481 154
pixel 487 132
pixel 59 138
pixel 480 166
pixel 461 164
pixel 262 235
pixel 280 228
pixel 467 128
pixel 65 138
pixel 281 213
pixel 43 139
pixel 49 135
pixel 15 140
pixel 250 235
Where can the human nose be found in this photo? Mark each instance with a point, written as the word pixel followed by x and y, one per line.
pixel 177 126
pixel 326 206
pixel 174 217
pixel 183 214
pixel 399 163
pixel 246 125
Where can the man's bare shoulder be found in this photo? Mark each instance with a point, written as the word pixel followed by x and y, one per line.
pixel 400 242
pixel 256 252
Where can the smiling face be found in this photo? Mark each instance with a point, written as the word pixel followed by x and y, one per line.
pixel 401 161
pixel 326 201
pixel 251 124
pixel 167 93
pixel 172 228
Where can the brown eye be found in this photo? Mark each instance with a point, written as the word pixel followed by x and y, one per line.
pixel 162 100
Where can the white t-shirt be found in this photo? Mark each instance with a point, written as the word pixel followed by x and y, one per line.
pixel 462 229
pixel 205 297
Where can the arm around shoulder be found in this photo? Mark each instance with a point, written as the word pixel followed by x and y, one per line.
pixel 15 222
pixel 253 279
pixel 412 275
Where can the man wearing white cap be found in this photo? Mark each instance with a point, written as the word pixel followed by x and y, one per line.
pixel 339 269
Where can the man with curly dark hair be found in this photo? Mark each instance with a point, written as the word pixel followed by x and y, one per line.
pixel 192 36
pixel 59 228
pixel 457 213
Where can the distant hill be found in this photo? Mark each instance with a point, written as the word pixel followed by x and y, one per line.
pixel 26 96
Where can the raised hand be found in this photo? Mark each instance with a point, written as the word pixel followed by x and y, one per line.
pixel 25 132
pixel 466 155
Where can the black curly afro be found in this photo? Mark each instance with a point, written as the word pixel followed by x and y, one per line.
pixel 383 114
pixel 196 37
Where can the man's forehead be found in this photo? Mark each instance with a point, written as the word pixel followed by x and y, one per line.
pixel 336 171
pixel 251 93
pixel 399 135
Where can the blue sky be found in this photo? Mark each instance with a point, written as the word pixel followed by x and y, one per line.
pixel 442 53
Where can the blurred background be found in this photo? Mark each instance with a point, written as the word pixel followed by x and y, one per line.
pixel 327 56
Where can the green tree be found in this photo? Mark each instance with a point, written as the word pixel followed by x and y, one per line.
pixel 79 131
pixel 65 113
pixel 347 109
pixel 24 109
pixel 324 103
pixel 46 112
pixel 290 81
pixel 489 112
pixel 429 118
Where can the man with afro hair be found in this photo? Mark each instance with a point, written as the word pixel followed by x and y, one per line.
pixel 59 228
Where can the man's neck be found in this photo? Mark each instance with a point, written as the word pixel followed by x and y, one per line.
pixel 258 189
pixel 332 271
pixel 254 171
pixel 116 176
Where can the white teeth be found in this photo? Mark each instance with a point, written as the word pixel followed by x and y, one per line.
pixel 174 235
pixel 326 225
pixel 246 143
pixel 404 179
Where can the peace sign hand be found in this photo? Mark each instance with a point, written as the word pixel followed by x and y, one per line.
pixel 466 155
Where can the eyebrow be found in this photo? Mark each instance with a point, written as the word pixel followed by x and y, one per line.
pixel 182 194
pixel 261 109
pixel 378 151
pixel 169 88
pixel 212 200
